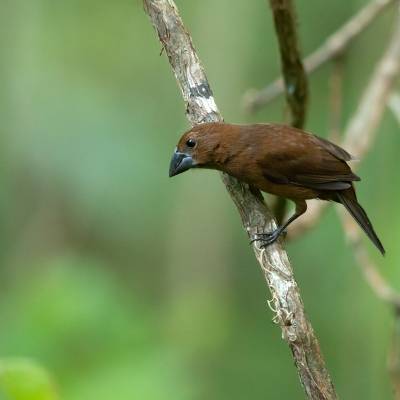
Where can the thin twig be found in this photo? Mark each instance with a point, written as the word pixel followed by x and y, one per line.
pixel 334 45
pixel 361 130
pixel 286 300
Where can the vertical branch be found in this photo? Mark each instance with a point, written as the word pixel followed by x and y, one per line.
pixel 292 66
pixel 286 300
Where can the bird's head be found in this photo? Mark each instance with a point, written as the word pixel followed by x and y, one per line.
pixel 195 149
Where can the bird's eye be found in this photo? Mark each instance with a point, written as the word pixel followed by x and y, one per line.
pixel 190 143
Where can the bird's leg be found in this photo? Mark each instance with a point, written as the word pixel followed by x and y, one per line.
pixel 270 237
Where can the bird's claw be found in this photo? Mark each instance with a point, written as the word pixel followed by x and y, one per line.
pixel 268 238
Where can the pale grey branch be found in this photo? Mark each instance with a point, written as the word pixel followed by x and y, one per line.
pixel 286 301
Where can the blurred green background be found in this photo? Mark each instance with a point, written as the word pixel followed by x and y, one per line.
pixel 120 283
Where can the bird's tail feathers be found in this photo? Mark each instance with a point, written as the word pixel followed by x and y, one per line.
pixel 349 200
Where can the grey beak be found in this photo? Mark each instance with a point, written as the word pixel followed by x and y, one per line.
pixel 180 162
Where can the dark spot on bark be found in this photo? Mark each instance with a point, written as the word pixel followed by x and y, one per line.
pixel 202 90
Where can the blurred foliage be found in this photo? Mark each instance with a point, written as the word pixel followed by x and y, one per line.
pixel 124 284
pixel 22 379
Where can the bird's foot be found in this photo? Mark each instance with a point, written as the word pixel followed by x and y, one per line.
pixel 268 238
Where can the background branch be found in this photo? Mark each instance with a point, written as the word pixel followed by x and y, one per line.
pixel 294 76
pixel 333 46
pixel 286 301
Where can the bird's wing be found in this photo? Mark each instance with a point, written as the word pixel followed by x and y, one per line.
pixel 333 149
pixel 316 164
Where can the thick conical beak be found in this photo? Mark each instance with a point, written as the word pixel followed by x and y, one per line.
pixel 180 162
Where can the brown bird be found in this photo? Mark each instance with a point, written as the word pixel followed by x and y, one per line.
pixel 276 159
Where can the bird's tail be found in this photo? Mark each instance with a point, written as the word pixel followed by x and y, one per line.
pixel 349 200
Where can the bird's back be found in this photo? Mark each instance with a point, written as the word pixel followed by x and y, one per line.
pixel 286 161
